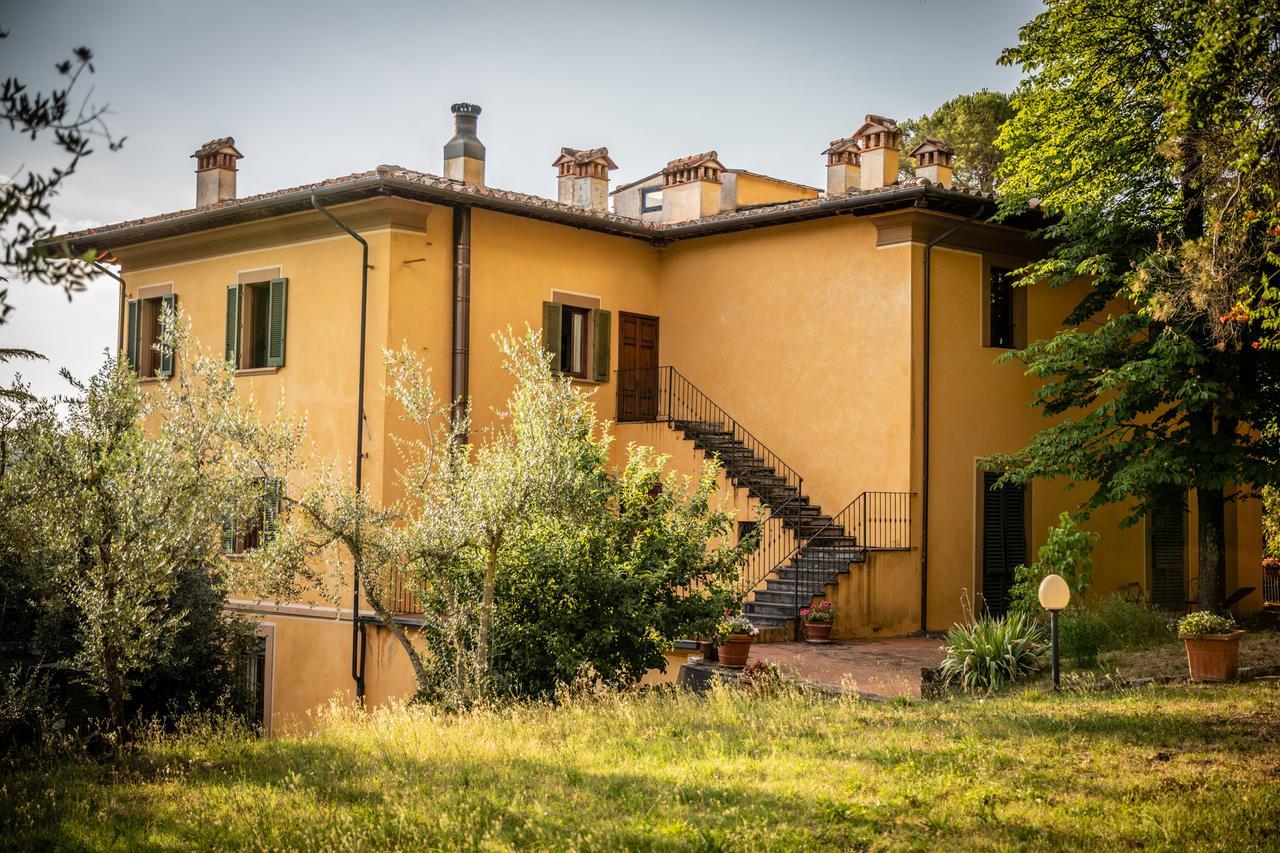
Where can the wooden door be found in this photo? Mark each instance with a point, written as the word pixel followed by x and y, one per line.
pixel 638 383
pixel 1004 540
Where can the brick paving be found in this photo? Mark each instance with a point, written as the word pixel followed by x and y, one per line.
pixel 888 667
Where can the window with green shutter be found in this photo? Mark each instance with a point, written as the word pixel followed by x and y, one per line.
pixel 144 333
pixel 578 338
pixel 261 528
pixel 132 330
pixel 256 318
pixel 551 316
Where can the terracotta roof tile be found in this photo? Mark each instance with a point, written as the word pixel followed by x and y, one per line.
pixel 524 200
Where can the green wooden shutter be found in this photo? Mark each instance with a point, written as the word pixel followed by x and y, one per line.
pixel 277 310
pixel 270 510
pixel 601 360
pixel 233 325
pixel 228 541
pixel 552 313
pixel 168 307
pixel 133 317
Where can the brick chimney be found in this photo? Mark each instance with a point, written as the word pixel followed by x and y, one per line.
pixel 584 177
pixel 843 166
pixel 933 161
pixel 216 171
pixel 878 143
pixel 464 154
pixel 691 187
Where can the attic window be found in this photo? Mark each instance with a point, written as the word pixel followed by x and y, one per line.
pixel 651 199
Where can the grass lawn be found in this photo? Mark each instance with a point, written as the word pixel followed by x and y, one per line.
pixel 1175 767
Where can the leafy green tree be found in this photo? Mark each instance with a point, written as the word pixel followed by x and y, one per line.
pixel 1146 133
pixel 970 124
pixel 600 595
pixel 112 500
pixel 533 563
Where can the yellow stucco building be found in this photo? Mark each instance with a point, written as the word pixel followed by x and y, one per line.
pixel 836 347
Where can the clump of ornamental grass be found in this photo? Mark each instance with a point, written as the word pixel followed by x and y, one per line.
pixel 992 652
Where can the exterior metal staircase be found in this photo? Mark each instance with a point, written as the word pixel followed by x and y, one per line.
pixel 802 549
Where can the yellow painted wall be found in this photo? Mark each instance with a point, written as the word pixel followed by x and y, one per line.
pixel 801 332
pixel 758 189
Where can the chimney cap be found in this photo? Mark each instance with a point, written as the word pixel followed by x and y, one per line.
pixel 465 109
pixel 225 145
pixel 583 156
pixel 930 143
pixel 839 146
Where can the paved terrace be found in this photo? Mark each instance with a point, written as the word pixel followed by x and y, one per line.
pixel 888 667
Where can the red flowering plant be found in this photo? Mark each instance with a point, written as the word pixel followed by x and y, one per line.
pixel 823 611
pixel 1271 564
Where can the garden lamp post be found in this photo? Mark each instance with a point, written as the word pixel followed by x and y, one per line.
pixel 1054 596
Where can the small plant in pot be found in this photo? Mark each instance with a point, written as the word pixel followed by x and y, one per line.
pixel 734 635
pixel 1213 646
pixel 817 622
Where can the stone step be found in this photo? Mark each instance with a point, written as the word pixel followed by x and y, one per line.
pixel 768 610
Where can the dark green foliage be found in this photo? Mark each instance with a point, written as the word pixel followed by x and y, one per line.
pixel 970 124
pixel 600 596
pixel 993 652
pixel 1147 133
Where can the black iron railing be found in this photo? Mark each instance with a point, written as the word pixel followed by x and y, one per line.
pixel 664 395
pixel 873 521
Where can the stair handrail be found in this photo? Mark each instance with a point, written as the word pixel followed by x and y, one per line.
pixel 856 510
pixel 790 475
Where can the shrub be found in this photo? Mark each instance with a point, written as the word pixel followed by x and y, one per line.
pixel 1131 624
pixel 1082 634
pixel 1067 553
pixel 992 652
pixel 764 677
pixel 1205 622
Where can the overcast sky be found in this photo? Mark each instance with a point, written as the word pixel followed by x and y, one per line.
pixel 316 89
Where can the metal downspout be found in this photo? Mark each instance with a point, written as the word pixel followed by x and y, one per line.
pixel 357 627
pixel 121 323
pixel 924 460
pixel 460 377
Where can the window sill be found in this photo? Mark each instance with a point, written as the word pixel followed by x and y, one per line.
pixel 256 371
pixel 579 380
pixel 153 380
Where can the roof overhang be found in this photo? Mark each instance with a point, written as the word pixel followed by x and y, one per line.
pixel 452 194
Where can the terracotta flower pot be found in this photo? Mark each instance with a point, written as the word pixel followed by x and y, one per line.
pixel 1213 657
pixel 733 653
pixel 817 632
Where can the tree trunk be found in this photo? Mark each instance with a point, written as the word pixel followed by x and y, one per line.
pixel 115 685
pixel 1211 539
pixel 387 618
pixel 486 602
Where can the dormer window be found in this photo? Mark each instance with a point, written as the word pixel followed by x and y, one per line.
pixel 651 199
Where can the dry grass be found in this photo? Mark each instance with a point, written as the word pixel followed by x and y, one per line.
pixel 1170 767
pixel 1259 649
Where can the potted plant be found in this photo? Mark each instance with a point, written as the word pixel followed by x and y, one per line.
pixel 817 622
pixel 733 640
pixel 1213 645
